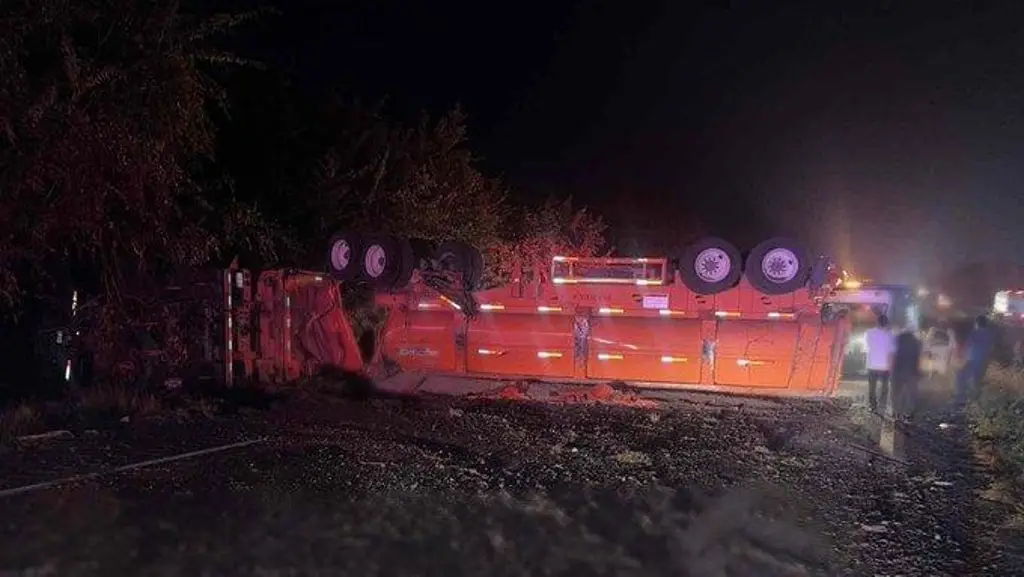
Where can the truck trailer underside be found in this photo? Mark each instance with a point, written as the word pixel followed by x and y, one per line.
pixel 700 322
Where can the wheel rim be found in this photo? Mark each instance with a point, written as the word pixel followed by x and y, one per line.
pixel 375 261
pixel 780 265
pixel 712 265
pixel 448 261
pixel 341 255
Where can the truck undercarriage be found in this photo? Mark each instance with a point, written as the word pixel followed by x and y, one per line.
pixel 701 322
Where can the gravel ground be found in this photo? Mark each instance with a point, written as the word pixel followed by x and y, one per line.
pixel 444 486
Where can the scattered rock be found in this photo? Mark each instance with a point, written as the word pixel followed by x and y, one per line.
pixel 47 436
pixel 874 528
pixel 540 488
pixel 632 458
pixel 602 392
pixel 511 393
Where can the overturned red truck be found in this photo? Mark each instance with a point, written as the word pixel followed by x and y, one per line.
pixel 702 321
pixel 709 319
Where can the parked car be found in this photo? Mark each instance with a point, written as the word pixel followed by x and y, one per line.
pixel 938 347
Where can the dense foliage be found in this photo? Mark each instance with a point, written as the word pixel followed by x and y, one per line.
pixel 116 153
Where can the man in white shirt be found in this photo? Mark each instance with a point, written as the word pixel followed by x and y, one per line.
pixel 881 345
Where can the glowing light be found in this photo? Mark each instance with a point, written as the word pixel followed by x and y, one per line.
pixel 607 280
pixel 748 362
pixel 453 304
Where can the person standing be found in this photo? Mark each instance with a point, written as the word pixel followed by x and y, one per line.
pixel 977 352
pixel 880 346
pixel 906 374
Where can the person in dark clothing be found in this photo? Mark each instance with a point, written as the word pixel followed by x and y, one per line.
pixel 906 374
pixel 977 352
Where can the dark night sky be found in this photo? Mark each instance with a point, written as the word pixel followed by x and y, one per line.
pixel 887 134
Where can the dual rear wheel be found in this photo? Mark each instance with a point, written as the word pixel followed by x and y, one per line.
pixel 709 266
pixel 775 266
pixel 387 261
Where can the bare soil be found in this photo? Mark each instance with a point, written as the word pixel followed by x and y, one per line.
pixel 450 486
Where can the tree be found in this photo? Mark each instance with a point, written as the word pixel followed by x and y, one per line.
pixel 104 134
pixel 111 166
pixel 419 182
pixel 540 233
pixel 423 182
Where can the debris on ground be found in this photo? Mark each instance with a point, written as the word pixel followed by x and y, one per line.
pixel 602 393
pixel 470 486
pixel 47 436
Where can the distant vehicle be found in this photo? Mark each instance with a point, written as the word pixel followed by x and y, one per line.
pixel 1008 305
pixel 1008 313
pixel 863 304
pixel 937 349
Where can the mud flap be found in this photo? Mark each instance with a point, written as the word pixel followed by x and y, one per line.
pixel 580 348
pixel 461 350
pixel 709 336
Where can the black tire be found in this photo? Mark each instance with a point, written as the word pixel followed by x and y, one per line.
pixel 818 277
pixel 343 256
pixel 778 266
pixel 421 250
pixel 478 269
pixel 461 258
pixel 701 266
pixel 387 262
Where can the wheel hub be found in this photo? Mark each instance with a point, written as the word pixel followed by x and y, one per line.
pixel 341 255
pixel 712 265
pixel 375 261
pixel 780 265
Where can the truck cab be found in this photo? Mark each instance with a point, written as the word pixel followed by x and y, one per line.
pixel 862 306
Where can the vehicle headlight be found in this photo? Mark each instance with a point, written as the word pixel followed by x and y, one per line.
pixel 859 341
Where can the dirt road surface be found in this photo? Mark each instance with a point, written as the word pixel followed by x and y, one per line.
pixel 447 486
